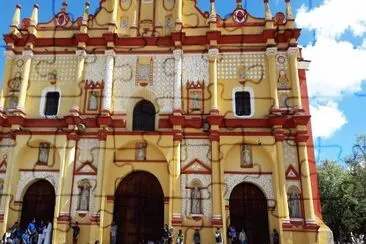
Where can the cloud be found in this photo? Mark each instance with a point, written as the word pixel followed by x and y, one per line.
pixel 337 67
pixel 326 119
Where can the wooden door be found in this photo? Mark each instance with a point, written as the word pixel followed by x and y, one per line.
pixel 144 116
pixel 248 210
pixel 139 209
pixel 39 203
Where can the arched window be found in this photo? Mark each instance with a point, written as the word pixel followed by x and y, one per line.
pixel 51 104
pixel 144 116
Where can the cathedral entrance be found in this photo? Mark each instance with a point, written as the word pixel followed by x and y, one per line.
pixel 248 210
pixel 139 208
pixel 38 202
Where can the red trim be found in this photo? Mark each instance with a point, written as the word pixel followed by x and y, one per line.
pixel 289 169
pixel 186 169
pixel 38 170
pixel 137 161
pixel 248 173
pixel 78 171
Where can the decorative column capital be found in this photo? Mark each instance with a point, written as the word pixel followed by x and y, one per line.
pixel 110 53
pixel 80 53
pixel 293 51
pixel 213 53
pixel 9 54
pixel 271 51
pixel 178 53
pixel 27 54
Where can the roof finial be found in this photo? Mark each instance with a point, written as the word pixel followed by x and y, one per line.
pixel 213 15
pixel 268 14
pixel 16 20
pixel 34 17
pixel 289 14
pixel 86 12
pixel 64 6
pixel 239 4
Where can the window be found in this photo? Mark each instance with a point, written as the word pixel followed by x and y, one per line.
pixel 144 116
pixel 52 102
pixel 243 102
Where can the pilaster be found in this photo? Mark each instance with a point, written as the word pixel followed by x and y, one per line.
pixel 213 54
pixel 296 93
pixel 81 54
pixel 272 74
pixel 178 54
pixel 24 85
pixel 6 77
pixel 108 83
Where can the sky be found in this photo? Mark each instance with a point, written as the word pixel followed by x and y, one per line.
pixel 333 38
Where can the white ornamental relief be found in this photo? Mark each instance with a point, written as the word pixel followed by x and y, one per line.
pixel 124 81
pixel 163 83
pixel 88 150
pixel 92 179
pixel 290 153
pixel 206 195
pixel 62 67
pixel 254 63
pixel 264 182
pixel 196 149
pixel 27 178
pixel 195 68
pixel 95 67
pixel 6 146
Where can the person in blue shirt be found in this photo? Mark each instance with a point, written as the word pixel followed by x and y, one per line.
pixel 31 230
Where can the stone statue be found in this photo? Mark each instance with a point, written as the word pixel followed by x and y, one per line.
pixel 84 197
pixel 196 100
pixel 196 201
pixel 246 156
pixel 294 205
pixel 93 101
pixel 141 152
pixel 15 85
pixel 43 152
pixel 13 102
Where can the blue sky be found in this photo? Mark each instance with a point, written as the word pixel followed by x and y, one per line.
pixel 337 88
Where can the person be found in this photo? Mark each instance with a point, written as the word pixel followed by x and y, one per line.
pixel 114 229
pixel 170 235
pixel 218 236
pixel 165 234
pixel 180 237
pixel 242 237
pixel 40 231
pixel 31 231
pixel 75 232
pixel 196 237
pixel 276 237
pixel 47 233
pixel 233 234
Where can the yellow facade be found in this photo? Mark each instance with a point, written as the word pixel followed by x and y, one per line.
pixel 188 67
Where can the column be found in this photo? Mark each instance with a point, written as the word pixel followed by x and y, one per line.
pixel 81 54
pixel 272 75
pixel 100 173
pixel 7 75
pixel 213 54
pixel 64 192
pixel 176 181
pixel 306 184
pixel 178 81
pixel 216 183
pixel 25 79
pixel 296 93
pixel 108 82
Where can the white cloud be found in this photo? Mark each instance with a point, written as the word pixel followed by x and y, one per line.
pixel 334 17
pixel 337 66
pixel 326 119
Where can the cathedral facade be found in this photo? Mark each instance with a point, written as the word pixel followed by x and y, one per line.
pixel 148 113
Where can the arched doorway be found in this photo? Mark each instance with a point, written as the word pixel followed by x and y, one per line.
pixel 248 210
pixel 38 202
pixel 139 208
pixel 144 116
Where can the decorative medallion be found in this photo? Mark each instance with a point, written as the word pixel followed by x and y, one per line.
pixel 61 19
pixel 281 59
pixel 240 16
pixel 15 83
pixel 280 18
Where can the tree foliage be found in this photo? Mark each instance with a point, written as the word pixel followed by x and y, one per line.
pixel 343 193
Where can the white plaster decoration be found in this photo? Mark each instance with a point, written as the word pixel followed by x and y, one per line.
pixel 18 66
pixel 27 178
pixel 95 67
pixel 271 51
pixel 27 54
pixel 264 182
pixel 206 195
pixel 6 146
pixel 195 68
pixel 282 61
pixel 9 54
pixel 108 82
pixel 178 79
pixel 213 53
pixel 164 82
pixel 75 193
pixel 64 65
pixel 293 51
pixel 254 62
pixel 88 150
pixel 124 77
pixel 196 149
pixel 290 153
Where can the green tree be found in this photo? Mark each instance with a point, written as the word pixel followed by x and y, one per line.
pixel 343 193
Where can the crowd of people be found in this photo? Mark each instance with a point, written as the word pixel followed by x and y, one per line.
pixel 35 233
